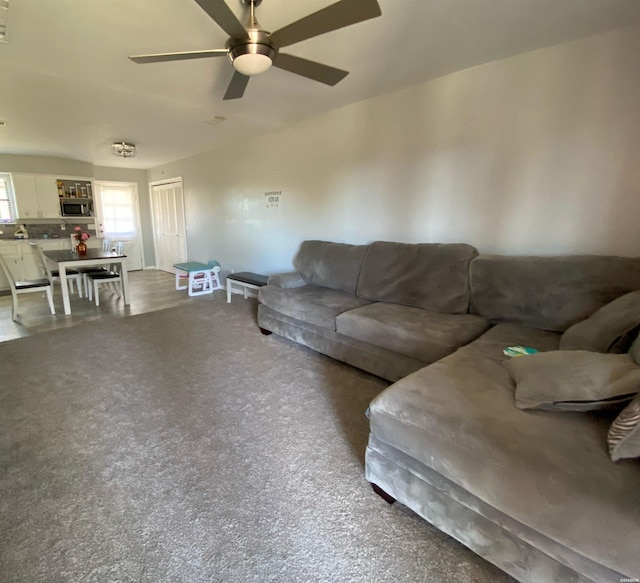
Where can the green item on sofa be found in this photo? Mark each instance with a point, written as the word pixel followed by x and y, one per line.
pixel 573 380
pixel 518 351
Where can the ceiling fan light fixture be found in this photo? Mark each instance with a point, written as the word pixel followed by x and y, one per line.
pixel 252 64
pixel 251 58
pixel 123 149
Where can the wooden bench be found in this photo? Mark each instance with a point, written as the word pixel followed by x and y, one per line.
pixel 246 280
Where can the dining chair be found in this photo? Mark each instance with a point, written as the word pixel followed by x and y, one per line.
pixel 73 276
pixel 85 271
pixel 25 287
pixel 109 276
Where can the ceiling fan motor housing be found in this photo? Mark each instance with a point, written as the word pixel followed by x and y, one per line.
pixel 258 44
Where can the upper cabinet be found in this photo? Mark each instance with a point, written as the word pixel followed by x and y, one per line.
pixel 36 196
pixel 39 196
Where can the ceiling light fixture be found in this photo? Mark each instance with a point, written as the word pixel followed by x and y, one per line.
pixel 123 149
pixel 253 55
pixel 252 58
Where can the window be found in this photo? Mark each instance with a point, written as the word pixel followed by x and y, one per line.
pixel 118 204
pixel 6 199
pixel 4 8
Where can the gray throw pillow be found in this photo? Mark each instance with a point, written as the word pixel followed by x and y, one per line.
pixel 612 328
pixel 624 433
pixel 634 351
pixel 573 380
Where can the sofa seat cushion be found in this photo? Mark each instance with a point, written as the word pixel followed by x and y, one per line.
pixel 547 471
pixel 312 304
pixel 422 334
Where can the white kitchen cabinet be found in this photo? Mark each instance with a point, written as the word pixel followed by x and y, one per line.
pixel 48 198
pixel 26 194
pixel 36 196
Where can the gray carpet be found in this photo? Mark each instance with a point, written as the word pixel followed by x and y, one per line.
pixel 184 446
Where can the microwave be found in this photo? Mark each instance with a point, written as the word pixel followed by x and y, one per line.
pixel 76 208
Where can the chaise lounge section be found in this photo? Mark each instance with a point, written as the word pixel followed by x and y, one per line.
pixel 532 491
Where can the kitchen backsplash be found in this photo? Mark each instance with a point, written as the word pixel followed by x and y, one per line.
pixel 47 230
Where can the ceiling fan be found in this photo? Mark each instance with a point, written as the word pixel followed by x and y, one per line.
pixel 253 50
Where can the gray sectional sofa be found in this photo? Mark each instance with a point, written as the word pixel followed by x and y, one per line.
pixel 532 491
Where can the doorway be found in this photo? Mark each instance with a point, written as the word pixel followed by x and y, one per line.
pixel 119 218
pixel 169 228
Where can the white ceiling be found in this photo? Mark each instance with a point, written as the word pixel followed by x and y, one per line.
pixel 68 90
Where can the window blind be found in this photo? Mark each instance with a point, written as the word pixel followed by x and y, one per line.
pixel 6 206
pixel 4 8
pixel 118 210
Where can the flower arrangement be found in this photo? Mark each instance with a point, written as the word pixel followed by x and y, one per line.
pixel 80 235
pixel 81 238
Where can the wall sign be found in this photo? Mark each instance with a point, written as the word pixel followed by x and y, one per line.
pixel 273 198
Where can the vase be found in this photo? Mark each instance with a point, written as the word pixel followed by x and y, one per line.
pixel 81 248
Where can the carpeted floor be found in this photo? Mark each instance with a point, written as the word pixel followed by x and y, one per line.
pixel 184 446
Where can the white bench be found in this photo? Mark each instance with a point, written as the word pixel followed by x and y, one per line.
pixel 245 280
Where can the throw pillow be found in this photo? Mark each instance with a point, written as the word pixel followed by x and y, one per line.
pixel 634 351
pixel 612 328
pixel 573 380
pixel 624 433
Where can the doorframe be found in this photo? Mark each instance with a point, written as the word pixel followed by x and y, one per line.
pixel 138 217
pixel 177 179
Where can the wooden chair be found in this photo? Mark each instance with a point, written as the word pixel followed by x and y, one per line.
pixel 109 276
pixel 73 276
pixel 25 287
pixel 85 271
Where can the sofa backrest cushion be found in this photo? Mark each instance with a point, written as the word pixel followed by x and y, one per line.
pixel 432 276
pixel 551 293
pixel 332 265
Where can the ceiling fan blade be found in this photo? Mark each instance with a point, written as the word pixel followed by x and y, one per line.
pixel 162 57
pixel 338 15
pixel 237 85
pixel 310 69
pixel 226 20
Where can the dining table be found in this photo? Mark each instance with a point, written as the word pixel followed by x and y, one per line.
pixel 67 259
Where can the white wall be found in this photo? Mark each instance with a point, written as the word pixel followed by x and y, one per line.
pixel 45 165
pixel 536 154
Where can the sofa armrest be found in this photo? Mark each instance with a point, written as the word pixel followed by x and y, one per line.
pixel 287 280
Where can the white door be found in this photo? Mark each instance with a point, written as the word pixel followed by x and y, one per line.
pixel 169 229
pixel 119 218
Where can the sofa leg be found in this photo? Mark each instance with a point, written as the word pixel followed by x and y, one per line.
pixel 380 492
pixel 265 331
